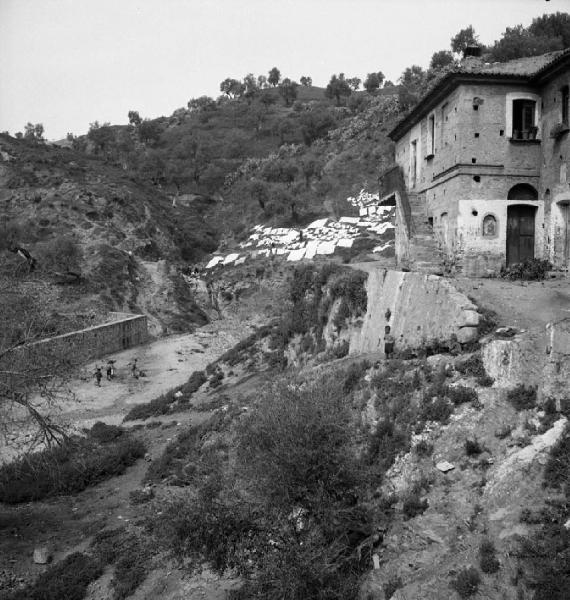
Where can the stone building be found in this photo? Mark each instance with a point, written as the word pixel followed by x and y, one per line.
pixel 481 178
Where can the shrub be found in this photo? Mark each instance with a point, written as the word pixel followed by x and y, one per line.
pixel 68 469
pixel 109 544
pixel 472 367
pixel 207 529
pixel 130 571
pixel 437 409
pixel 467 582
pixel 128 553
pixel 244 348
pixel 423 448
pixel 287 515
pixel 67 579
pixel 354 374
pixel 461 395
pixel 297 444
pixel 216 379
pixel 386 443
pixel 557 470
pixel 154 408
pixel 393 584
pixel 340 350
pixel 414 505
pixel 485 381
pixel 487 557
pixel 342 314
pixel 546 553
pixel 488 318
pixel 183 460
pixel 472 447
pixel 546 556
pixel 164 404
pixel 532 269
pixel 522 397
pixel 104 433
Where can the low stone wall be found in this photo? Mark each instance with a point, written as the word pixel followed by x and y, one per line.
pixel 99 340
pixel 418 308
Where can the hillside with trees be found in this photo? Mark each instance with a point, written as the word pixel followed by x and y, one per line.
pixel 268 150
pixel 283 151
pixel 267 455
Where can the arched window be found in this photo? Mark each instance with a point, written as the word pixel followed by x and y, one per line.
pixel 522 191
pixel 489 226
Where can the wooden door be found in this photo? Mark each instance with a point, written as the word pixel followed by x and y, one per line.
pixel 566 232
pixel 520 233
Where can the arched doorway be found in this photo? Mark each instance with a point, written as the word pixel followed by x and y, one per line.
pixel 520 224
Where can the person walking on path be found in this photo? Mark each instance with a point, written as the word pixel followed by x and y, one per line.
pixel 98 376
pixel 134 369
pixel 109 371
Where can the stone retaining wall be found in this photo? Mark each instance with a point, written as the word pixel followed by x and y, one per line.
pixel 99 340
pixel 418 307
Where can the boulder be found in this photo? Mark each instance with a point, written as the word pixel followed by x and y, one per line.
pixel 42 555
pixel 444 466
pixel 466 334
pixel 469 318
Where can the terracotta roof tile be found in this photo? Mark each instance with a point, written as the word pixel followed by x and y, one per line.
pixel 521 66
pixel 529 67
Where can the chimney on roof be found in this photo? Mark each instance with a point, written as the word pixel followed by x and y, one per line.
pixel 472 51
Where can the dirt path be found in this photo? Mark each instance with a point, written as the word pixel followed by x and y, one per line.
pixel 167 363
pixel 525 305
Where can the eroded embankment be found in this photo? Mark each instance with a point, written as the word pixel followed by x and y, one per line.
pixel 417 307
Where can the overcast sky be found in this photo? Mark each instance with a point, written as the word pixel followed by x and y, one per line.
pixel 66 63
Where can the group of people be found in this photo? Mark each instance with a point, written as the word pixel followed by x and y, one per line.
pixel 110 371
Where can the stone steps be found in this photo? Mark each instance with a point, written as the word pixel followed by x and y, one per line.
pixel 424 254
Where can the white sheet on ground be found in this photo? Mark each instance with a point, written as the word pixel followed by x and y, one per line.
pixel 318 224
pixel 295 255
pixel 230 258
pixel 381 228
pixel 312 248
pixel 214 261
pixel 326 248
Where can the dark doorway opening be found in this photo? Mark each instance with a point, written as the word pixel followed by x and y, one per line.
pixel 522 191
pixel 520 233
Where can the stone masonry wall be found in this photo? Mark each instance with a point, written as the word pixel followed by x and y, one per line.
pixel 99 340
pixel 555 179
pixel 475 159
pixel 463 134
pixel 418 308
